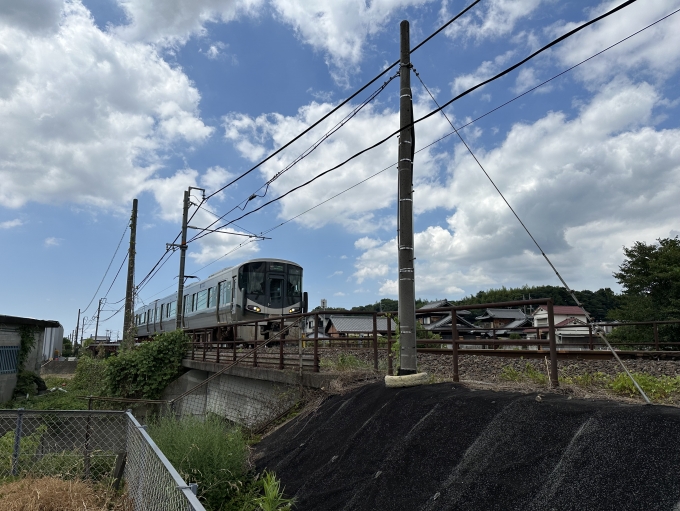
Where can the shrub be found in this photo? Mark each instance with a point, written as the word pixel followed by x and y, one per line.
pixel 209 453
pixel 145 371
pixel 91 376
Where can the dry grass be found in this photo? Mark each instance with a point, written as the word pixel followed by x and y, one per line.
pixel 53 494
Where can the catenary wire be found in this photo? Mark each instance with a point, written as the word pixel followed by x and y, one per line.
pixel 439 139
pixel 538 246
pixel 304 154
pixel 107 270
pixel 340 105
pixel 433 112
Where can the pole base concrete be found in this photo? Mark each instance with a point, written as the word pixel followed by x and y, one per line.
pixel 408 380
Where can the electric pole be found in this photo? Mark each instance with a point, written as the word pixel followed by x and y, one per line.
pixel 96 328
pixel 407 310
pixel 128 323
pixel 75 341
pixel 183 254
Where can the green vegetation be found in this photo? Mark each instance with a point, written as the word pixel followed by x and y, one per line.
pixel 344 362
pixel 64 397
pixel 214 455
pixel 528 373
pixel 650 277
pixel 656 388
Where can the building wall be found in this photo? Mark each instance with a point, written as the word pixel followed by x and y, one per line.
pixel 10 336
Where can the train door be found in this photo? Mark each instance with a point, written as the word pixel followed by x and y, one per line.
pixel 233 296
pixel 275 287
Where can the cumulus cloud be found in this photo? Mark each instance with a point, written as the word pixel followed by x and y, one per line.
pixel 84 116
pixel 340 28
pixel 489 20
pixel 172 22
pixel 585 187
pixel 52 242
pixel 9 224
pixel 254 136
pixel 655 52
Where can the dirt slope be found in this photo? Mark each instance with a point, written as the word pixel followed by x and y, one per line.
pixel 444 446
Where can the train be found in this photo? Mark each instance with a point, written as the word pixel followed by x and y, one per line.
pixel 254 290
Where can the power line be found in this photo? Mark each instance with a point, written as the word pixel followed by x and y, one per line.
pixel 304 154
pixel 343 103
pixel 107 270
pixel 433 112
pixel 117 273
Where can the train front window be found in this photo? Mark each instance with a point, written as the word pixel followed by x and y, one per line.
pixel 252 278
pixel 294 285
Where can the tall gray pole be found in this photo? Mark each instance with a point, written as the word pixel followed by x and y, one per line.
pixel 407 295
pixel 96 328
pixel 182 259
pixel 77 325
pixel 128 323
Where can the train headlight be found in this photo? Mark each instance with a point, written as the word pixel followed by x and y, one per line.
pixel 294 310
pixel 253 308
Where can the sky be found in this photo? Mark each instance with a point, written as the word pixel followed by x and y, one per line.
pixel 104 101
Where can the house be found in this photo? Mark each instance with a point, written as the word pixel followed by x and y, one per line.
pixel 443 326
pixel 357 326
pixel 308 325
pixel 499 318
pixel 426 315
pixel 10 340
pixel 571 325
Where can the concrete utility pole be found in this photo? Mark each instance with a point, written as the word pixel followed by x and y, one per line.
pixel 128 323
pixel 75 342
pixel 407 300
pixel 96 328
pixel 183 254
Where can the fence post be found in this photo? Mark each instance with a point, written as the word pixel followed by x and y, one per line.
pixel 255 347
pixel 17 441
pixel 554 382
pixel 86 460
pixel 389 345
pixel 217 355
pixel 454 343
pixel 233 341
pixel 316 343
pixel 656 336
pixel 590 336
pixel 375 341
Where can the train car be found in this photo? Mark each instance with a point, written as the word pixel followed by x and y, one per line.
pixel 252 291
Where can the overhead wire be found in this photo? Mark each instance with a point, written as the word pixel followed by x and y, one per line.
pixel 435 111
pixel 526 229
pixel 107 270
pixel 302 155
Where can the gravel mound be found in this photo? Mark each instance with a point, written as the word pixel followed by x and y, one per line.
pixel 448 447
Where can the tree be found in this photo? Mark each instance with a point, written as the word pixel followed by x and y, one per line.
pixel 650 277
pixel 66 347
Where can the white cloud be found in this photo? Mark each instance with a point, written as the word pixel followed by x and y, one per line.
pixel 489 20
pixel 340 28
pixel 339 293
pixel 171 22
pixel 584 186
pixel 486 69
pixel 52 242
pixel 655 51
pixel 84 116
pixel 253 137
pixel 366 243
pixel 214 178
pixel 9 224
pixel 335 274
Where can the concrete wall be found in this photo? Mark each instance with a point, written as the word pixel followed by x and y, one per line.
pixel 10 336
pixel 245 399
pixel 59 368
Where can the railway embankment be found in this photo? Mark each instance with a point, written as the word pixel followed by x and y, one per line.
pixel 448 446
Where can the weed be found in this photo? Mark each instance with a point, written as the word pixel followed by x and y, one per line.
pixel 657 388
pixel 272 498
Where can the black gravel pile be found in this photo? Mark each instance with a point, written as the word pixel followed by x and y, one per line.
pixel 446 447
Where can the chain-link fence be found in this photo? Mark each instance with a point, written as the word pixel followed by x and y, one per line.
pixel 101 446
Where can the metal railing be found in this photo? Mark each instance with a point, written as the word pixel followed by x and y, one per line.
pixel 101 446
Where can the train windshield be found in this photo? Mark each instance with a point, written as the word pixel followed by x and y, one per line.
pixel 272 284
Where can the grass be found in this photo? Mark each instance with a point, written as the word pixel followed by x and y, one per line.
pixel 55 400
pixel 53 494
pixel 657 388
pixel 344 362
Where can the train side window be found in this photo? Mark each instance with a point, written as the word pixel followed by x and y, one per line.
pixel 193 302
pixel 225 292
pixel 162 311
pixel 212 298
pixel 173 309
pixel 187 304
pixel 201 300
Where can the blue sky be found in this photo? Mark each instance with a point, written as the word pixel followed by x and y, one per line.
pixel 102 101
